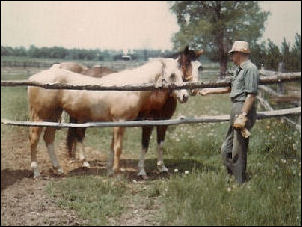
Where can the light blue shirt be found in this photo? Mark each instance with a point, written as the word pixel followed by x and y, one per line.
pixel 245 82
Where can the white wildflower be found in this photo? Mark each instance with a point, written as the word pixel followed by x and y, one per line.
pixel 187 172
pixel 175 170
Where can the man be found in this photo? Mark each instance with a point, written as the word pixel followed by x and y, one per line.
pixel 243 91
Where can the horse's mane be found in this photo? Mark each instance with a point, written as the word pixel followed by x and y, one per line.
pixel 136 75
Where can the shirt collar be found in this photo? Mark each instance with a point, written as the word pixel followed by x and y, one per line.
pixel 243 65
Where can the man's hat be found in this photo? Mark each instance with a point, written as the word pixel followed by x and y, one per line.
pixel 240 46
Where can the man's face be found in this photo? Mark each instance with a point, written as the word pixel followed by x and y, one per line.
pixel 235 56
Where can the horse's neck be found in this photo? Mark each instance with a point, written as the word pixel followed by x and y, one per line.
pixel 147 73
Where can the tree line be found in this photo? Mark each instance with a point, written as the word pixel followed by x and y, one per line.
pixel 269 55
pixel 79 54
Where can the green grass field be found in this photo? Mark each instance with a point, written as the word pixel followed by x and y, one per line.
pixel 205 196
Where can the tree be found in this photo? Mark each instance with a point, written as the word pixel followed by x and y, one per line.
pixel 286 55
pixel 273 56
pixel 215 25
pixel 259 54
pixel 296 54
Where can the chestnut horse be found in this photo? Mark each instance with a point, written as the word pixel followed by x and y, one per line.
pixel 160 106
pixel 83 105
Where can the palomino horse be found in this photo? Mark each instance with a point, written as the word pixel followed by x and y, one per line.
pixel 160 106
pixel 83 105
pixel 95 71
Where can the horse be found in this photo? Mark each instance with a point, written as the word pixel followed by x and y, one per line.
pixel 94 71
pixel 160 106
pixel 84 105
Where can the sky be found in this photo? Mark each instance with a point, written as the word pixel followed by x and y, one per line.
pixel 116 24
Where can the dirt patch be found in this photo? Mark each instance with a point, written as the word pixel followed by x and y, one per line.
pixel 24 201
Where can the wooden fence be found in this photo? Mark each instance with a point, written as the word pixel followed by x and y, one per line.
pixel 264 80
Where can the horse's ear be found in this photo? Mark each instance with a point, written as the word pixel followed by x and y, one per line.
pixel 186 50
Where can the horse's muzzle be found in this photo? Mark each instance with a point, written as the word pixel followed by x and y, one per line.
pixel 183 98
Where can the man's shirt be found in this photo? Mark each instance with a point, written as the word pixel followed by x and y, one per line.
pixel 244 81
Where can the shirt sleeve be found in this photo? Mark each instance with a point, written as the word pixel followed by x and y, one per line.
pixel 251 81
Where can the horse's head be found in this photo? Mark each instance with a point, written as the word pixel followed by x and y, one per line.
pixel 185 60
pixel 172 74
pixel 189 65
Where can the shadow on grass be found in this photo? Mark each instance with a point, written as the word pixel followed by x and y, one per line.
pixel 10 177
pixel 129 168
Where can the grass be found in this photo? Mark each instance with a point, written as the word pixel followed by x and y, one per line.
pixel 93 198
pixel 205 196
pixel 271 197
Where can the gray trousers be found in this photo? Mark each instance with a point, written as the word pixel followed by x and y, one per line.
pixel 234 148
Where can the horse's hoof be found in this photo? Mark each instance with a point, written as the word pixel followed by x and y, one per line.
pixel 142 173
pixel 162 169
pixel 37 176
pixel 57 171
pixel 144 177
pixel 85 165
pixel 60 171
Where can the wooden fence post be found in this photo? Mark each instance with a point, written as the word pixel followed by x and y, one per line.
pixel 280 88
pixel 299 119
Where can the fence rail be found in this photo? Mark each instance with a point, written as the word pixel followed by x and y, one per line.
pixel 264 80
pixel 182 120
pixel 284 77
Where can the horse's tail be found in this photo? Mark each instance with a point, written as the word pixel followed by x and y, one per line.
pixel 71 138
pixel 74 135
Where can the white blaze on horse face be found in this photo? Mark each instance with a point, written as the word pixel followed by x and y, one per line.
pixel 172 74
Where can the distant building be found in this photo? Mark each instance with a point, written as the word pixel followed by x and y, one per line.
pixel 126 58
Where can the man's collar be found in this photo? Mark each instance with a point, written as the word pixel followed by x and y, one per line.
pixel 244 64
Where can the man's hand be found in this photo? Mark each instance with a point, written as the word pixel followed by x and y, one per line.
pixel 240 121
pixel 203 91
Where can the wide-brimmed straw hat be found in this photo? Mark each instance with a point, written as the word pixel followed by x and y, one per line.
pixel 240 46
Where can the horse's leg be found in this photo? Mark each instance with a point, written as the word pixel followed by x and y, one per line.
pixel 49 137
pixel 80 135
pixel 161 133
pixel 118 146
pixel 34 136
pixel 146 132
pixel 111 158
